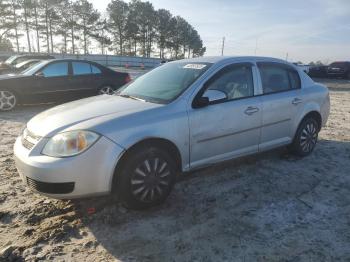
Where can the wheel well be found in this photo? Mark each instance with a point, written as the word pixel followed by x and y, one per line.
pixel 315 115
pixel 155 142
pixel 18 97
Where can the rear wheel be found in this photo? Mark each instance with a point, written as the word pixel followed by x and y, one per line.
pixel 106 90
pixel 147 178
pixel 8 100
pixel 306 137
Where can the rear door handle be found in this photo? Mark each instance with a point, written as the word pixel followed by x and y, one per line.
pixel 296 101
pixel 251 110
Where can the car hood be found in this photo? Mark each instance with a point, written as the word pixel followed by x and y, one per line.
pixel 4 66
pixel 10 76
pixel 56 119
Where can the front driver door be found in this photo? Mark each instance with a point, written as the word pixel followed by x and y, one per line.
pixel 228 128
pixel 50 83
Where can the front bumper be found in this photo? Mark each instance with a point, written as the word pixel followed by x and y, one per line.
pixel 87 174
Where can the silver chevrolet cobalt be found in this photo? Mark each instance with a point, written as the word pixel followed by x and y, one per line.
pixel 181 116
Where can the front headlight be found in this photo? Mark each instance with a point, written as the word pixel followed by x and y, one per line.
pixel 69 143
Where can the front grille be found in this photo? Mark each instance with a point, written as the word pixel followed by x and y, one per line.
pixel 29 140
pixel 27 144
pixel 50 188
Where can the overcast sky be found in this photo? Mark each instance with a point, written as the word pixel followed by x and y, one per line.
pixel 308 30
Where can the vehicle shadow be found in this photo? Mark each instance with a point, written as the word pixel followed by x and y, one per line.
pixel 22 114
pixel 266 207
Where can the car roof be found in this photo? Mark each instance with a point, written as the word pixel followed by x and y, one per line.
pixel 220 59
pixel 34 55
pixel 71 60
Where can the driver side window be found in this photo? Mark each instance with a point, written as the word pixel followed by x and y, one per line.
pixel 56 69
pixel 236 81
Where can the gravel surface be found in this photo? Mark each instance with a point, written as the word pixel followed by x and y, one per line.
pixel 267 207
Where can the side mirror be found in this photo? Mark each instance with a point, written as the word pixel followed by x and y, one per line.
pixel 200 102
pixel 209 96
pixel 40 74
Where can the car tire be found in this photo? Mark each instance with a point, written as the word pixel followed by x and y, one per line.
pixel 106 90
pixel 8 100
pixel 146 178
pixel 306 137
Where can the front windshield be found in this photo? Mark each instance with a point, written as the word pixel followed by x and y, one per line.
pixel 338 64
pixel 165 83
pixel 9 60
pixel 33 69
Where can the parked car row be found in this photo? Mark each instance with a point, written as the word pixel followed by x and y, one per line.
pixel 55 80
pixel 334 70
pixel 11 65
pixel 178 117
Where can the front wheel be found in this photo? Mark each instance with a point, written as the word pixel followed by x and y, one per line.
pixel 147 178
pixel 306 137
pixel 8 100
pixel 106 90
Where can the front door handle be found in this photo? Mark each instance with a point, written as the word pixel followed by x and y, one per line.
pixel 296 101
pixel 251 110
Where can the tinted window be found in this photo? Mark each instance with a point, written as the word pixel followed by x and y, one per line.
pixel 80 68
pixel 338 64
pixel 95 70
pixel 56 69
pixel 277 78
pixel 10 60
pixel 235 81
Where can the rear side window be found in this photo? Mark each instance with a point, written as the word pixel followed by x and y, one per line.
pixel 294 79
pixel 56 69
pixel 81 68
pixel 278 78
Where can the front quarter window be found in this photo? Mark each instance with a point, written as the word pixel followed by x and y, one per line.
pixel 164 84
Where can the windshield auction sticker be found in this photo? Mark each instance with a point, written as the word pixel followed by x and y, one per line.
pixel 195 66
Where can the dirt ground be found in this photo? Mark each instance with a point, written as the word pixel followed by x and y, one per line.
pixel 268 207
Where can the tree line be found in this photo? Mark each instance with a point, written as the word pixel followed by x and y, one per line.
pixel 66 26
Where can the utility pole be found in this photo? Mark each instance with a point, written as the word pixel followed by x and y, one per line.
pixel 287 57
pixel 223 46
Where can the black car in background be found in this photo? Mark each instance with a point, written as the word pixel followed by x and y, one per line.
pixel 20 67
pixel 8 65
pixel 318 71
pixel 339 69
pixel 57 81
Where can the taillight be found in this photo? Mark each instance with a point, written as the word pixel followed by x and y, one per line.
pixel 127 79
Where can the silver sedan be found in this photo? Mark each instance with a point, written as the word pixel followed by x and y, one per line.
pixel 178 117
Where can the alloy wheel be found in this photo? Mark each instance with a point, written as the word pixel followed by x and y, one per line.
pixel 107 90
pixel 308 137
pixel 150 180
pixel 7 100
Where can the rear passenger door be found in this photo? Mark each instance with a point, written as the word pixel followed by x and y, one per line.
pixel 281 102
pixel 82 81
